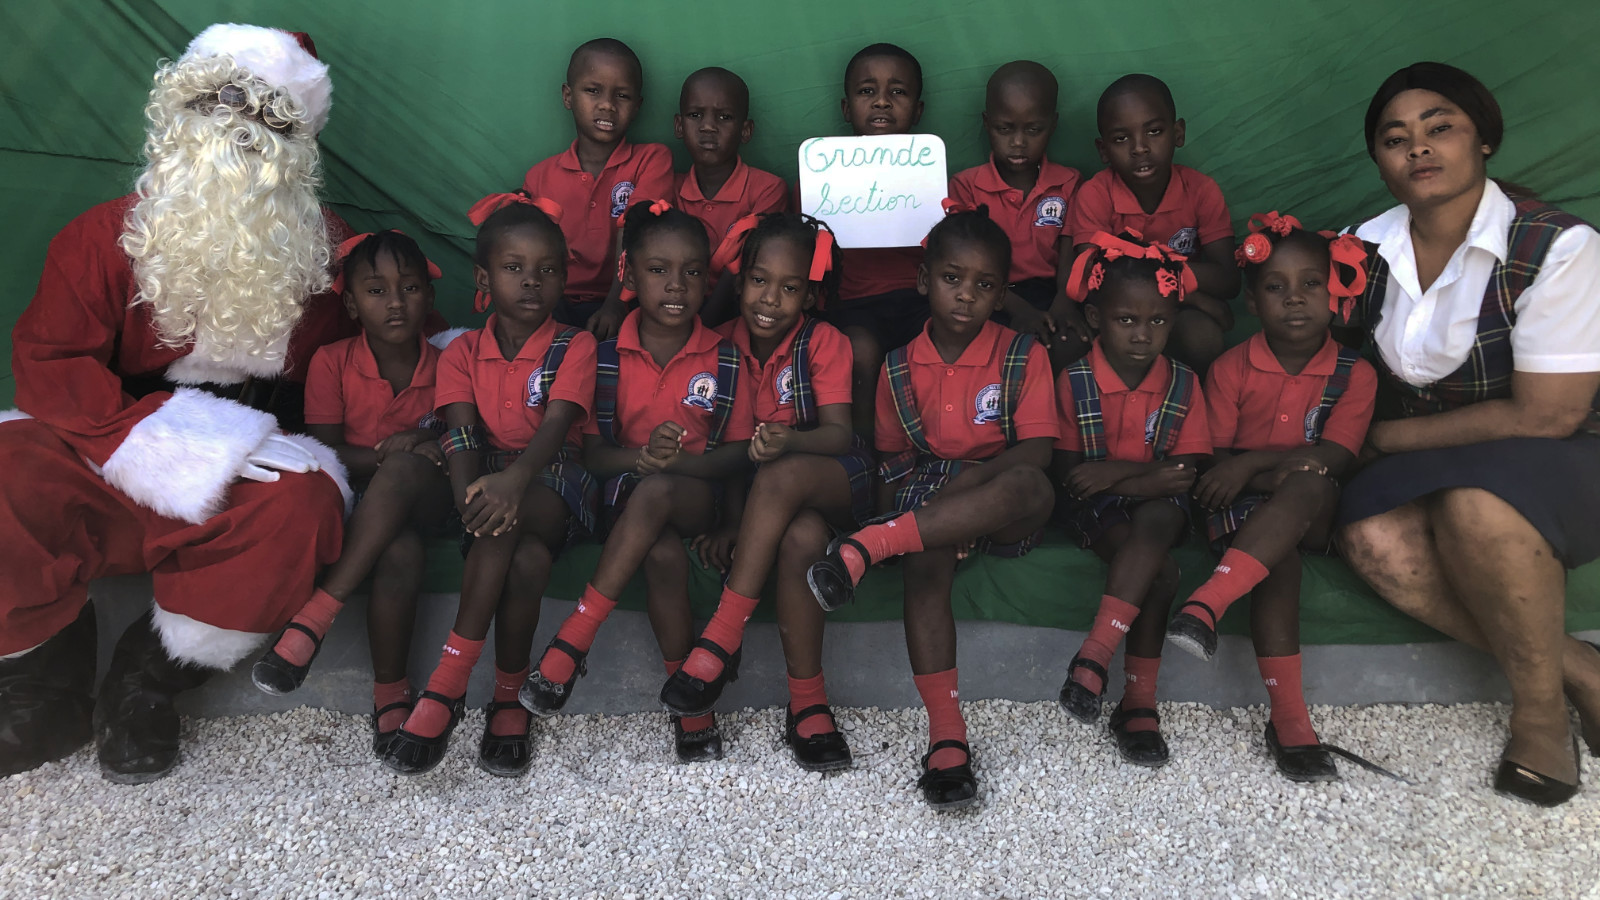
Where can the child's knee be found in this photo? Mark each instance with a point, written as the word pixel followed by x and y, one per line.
pixel 1027 490
pixel 532 559
pixel 1313 492
pixel 806 539
pixel 1159 520
pixel 403 472
pixel 667 557
pixel 777 479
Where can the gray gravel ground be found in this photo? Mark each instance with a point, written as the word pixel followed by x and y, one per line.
pixel 290 806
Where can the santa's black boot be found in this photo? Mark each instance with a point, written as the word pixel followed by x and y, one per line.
pixel 45 698
pixel 135 722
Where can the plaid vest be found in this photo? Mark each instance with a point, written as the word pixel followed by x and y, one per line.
pixel 1169 417
pixel 805 398
pixel 897 366
pixel 1331 392
pixel 1486 374
pixel 609 370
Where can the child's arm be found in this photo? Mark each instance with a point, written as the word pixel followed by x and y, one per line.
pixel 1173 475
pixel 831 437
pixel 359 462
pixel 500 493
pixel 463 465
pixel 605 460
pixel 404 442
pixel 726 460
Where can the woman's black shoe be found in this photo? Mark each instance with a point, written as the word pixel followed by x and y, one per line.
pixel 1522 783
pixel 1189 633
pixel 686 695
pixel 411 754
pixel 1307 763
pixel 276 675
pixel 825 752
pixel 829 578
pixel 382 739
pixel 704 745
pixel 1080 702
pixel 952 788
pixel 543 697
pixel 505 755
pixel 1142 748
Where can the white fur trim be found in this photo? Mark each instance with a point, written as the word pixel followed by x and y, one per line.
pixel 12 415
pixel 199 368
pixel 274 57
pixel 181 459
pixel 329 463
pixel 443 338
pixel 192 641
pixel 21 653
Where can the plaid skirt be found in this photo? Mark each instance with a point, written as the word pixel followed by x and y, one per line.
pixel 1091 519
pixel 1221 525
pixel 571 482
pixel 858 469
pixel 924 483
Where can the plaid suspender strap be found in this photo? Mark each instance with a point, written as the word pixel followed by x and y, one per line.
pixel 1174 409
pixel 897 369
pixel 1086 410
pixel 1012 371
pixel 552 361
pixel 805 399
pixel 605 389
pixel 1333 390
pixel 727 385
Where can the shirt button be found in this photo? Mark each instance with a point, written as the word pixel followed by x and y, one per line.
pixel 1283 417
pixel 949 408
pixel 511 370
pixel 949 371
pixel 591 204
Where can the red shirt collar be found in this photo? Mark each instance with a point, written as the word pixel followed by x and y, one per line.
pixel 1126 204
pixel 978 353
pixel 367 364
pixel 700 340
pixel 732 189
pixel 1051 175
pixel 1323 362
pixel 1155 380
pixel 533 348
pixel 619 155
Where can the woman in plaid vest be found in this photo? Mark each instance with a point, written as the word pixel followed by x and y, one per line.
pixel 1483 486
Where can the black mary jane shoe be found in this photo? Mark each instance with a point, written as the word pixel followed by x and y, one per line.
pixel 1306 763
pixel 505 755
pixel 825 752
pixel 829 577
pixel 1080 702
pixel 686 695
pixel 276 675
pixel 411 754
pixel 1522 783
pixel 1190 633
pixel 704 745
pixel 382 739
pixel 1142 748
pixel 949 789
pixel 543 697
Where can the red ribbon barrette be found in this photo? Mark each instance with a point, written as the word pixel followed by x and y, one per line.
pixel 493 203
pixel 345 248
pixel 728 254
pixel 657 207
pixel 951 207
pixel 1089 272
pixel 1348 251
pixel 1258 247
pixel 821 254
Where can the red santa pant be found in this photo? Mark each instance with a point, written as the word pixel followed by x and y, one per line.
pixel 247 569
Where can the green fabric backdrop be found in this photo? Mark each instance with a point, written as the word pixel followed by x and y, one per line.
pixel 437 103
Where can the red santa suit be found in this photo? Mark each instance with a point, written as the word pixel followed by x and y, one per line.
pixel 98 481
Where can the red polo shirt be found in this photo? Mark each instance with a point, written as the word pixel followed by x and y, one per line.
pixel 1129 413
pixel 1191 214
pixel 506 392
pixel 959 401
pixel 878 270
pixel 343 387
pixel 591 207
pixel 1255 405
pixel 681 391
pixel 771 386
pixel 1033 221
pixel 746 191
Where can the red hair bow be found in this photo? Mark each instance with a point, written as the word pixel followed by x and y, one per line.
pixel 726 259
pixel 1348 251
pixel 951 207
pixel 1089 272
pixel 348 246
pixel 488 206
pixel 1258 247
pixel 657 207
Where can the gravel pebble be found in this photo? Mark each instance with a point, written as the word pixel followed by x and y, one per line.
pixel 291 805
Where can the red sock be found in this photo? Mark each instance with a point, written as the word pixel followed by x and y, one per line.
pixel 1111 625
pixel 726 630
pixel 1235 576
pixel 1290 718
pixel 578 630
pixel 943 700
pixel 430 717
pixel 690 723
pixel 892 538
pixel 514 719
pixel 804 692
pixel 1139 692
pixel 317 615
pixel 385 693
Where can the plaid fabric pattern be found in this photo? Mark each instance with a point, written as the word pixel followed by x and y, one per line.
pixel 609 368
pixel 552 361
pixel 927 477
pixel 462 439
pixel 1486 374
pixel 1091 519
pixel 858 469
pixel 432 423
pixel 1169 416
pixel 568 479
pixel 727 386
pixel 805 397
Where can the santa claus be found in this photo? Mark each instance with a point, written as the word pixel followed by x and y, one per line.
pixel 146 366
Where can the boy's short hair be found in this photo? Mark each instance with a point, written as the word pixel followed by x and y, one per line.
pixel 1026 74
pixel 608 47
pixel 1137 83
pixel 740 89
pixel 893 51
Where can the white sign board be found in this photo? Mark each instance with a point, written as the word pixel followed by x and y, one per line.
pixel 881 190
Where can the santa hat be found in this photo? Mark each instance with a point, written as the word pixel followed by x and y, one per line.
pixel 279 58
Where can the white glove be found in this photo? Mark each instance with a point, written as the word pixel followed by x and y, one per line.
pixel 275 454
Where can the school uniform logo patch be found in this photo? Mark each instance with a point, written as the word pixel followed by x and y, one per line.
pixel 620 195
pixel 988 405
pixel 1185 241
pixel 702 391
pixel 785 385
pixel 535 389
pixel 1314 424
pixel 1050 212
pixel 1150 427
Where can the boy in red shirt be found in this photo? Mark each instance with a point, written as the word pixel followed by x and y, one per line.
pixel 1141 190
pixel 713 121
pixel 594 179
pixel 1028 195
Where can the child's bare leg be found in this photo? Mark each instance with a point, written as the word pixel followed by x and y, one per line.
pixel 515 620
pixel 666 572
pixel 931 642
pixel 1275 631
pixel 800 619
pixel 866 359
pixel 392 609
